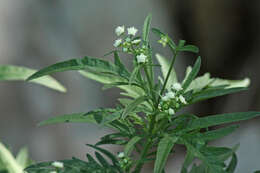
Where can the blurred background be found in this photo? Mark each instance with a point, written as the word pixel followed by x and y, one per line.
pixel 39 33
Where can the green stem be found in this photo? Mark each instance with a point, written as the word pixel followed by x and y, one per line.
pixel 149 82
pixel 140 162
pixel 167 76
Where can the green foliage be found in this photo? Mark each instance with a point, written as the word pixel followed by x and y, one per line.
pixel 11 164
pixel 147 121
pixel 17 73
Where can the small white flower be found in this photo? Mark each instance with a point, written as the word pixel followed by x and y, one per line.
pixel 117 42
pixel 171 111
pixel 132 31
pixel 177 86
pixel 165 98
pixel 170 95
pixel 120 30
pixel 57 164
pixel 136 41
pixel 141 58
pixel 125 49
pixel 182 99
pixel 121 155
pixel 53 172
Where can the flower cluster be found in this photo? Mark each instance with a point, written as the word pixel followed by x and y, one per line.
pixel 130 44
pixel 124 161
pixel 172 100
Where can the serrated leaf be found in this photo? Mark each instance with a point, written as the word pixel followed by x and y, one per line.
pixel 211 93
pixel 106 153
pixel 132 106
pixel 219 133
pixel 146 27
pixel 189 48
pixel 192 74
pixel 69 118
pixel 18 73
pixel 164 148
pixel 165 65
pixel 95 64
pixel 220 119
pixel 130 145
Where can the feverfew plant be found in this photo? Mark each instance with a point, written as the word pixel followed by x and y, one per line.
pixel 148 121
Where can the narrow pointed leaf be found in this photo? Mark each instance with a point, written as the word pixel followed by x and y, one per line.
pixel 69 118
pixel 165 65
pixel 95 64
pixel 9 161
pixel 219 133
pixel 18 73
pixel 101 159
pixel 22 157
pixel 232 165
pixel 188 160
pixel 221 119
pixel 122 69
pixel 131 144
pixel 132 106
pixel 211 93
pixel 146 27
pixel 189 48
pixel 164 148
pixel 192 74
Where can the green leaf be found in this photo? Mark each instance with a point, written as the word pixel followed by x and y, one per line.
pixel 220 119
pixel 122 69
pixel 165 65
pixel 95 64
pixel 189 48
pixel 106 153
pixel 131 144
pixel 219 133
pixel 192 74
pixel 69 118
pixel 188 160
pixel 18 73
pixel 230 83
pixel 164 148
pixel 9 161
pixel 232 165
pixel 146 27
pixel 132 106
pixel 200 83
pixel 211 93
pixel 101 159
pixel 22 158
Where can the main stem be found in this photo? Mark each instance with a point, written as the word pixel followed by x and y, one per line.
pixel 167 76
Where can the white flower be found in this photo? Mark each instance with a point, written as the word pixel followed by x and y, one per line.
pixel 177 86
pixel 170 95
pixel 57 164
pixel 117 42
pixel 141 58
pixel 182 99
pixel 165 98
pixel 132 31
pixel 171 111
pixel 125 49
pixel 136 41
pixel 120 30
pixel 53 172
pixel 121 155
